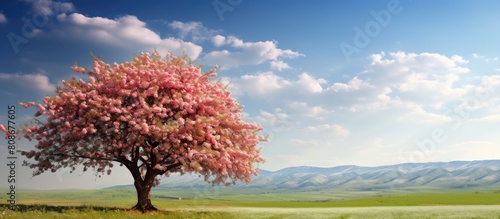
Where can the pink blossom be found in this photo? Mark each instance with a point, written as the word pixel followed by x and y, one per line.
pixel 180 121
pixel 145 84
pixel 115 110
pixel 78 69
pixel 156 109
pixel 91 80
pixel 116 107
pixel 145 129
pixel 92 130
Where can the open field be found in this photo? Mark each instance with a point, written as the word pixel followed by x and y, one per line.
pixel 214 198
pixel 114 204
pixel 429 212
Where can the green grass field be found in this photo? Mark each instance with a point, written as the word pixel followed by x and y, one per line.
pixel 204 203
pixel 429 212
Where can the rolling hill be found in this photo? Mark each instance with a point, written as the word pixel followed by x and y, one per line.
pixel 456 174
pixel 446 175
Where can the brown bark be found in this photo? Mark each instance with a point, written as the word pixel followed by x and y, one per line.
pixel 142 186
pixel 143 197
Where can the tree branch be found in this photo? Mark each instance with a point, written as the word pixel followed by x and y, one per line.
pixel 135 156
pixel 170 167
pixel 84 157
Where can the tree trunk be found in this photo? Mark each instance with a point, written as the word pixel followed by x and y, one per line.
pixel 143 197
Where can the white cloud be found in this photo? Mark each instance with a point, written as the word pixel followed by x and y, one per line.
pixel 37 81
pixel 426 78
pixel 247 53
pixel 484 58
pixel 310 83
pixel 412 112
pixel 279 65
pixel 124 32
pixel 485 93
pixel 267 85
pixel 400 68
pixel 3 19
pixel 331 130
pixel 353 84
pixel 488 118
pixel 403 87
pixel 313 91
pixel 185 28
pixel 196 30
pixel 398 98
pixel 277 122
pixel 302 108
pixel 49 7
pixel 267 116
pixel 218 40
pixel 259 86
pixel 476 56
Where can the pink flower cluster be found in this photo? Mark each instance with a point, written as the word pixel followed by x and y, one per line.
pixel 166 108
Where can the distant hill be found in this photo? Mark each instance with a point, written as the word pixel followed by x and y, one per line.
pixel 455 174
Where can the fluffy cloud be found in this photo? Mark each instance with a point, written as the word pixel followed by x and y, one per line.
pixel 261 85
pixel 127 32
pixel 486 59
pixel 352 85
pixel 38 82
pixel 279 65
pixel 48 7
pixel 218 40
pixel 410 87
pixel 247 53
pixel 310 84
pixel 329 130
pixel 302 108
pixel 267 85
pixel 195 30
pixel 3 19
pixel 411 112
pixel 426 78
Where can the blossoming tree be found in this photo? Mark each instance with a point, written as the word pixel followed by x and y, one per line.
pixel 153 115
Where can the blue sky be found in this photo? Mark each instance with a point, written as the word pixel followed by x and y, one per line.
pixel 332 82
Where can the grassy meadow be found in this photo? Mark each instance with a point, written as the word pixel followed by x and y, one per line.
pixel 215 203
